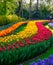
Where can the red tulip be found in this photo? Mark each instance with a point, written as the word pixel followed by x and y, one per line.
pixel 8 47
pixel 12 47
pixel 21 43
pixel 14 44
pixel 27 40
pixel 43 33
pixel 1 49
pixel 17 46
pixel 4 49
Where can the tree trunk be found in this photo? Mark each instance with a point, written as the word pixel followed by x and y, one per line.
pixel 37 4
pixel 30 9
pixel 20 8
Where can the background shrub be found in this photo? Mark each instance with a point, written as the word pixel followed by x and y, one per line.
pixel 10 19
pixel 3 20
pixel 14 18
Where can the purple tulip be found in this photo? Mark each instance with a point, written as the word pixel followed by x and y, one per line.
pixel 51 57
pixel 43 64
pixel 50 24
pixel 39 62
pixel 33 63
pixel 46 61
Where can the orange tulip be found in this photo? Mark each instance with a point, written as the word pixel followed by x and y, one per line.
pixel 10 29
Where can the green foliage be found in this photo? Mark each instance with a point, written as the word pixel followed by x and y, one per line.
pixel 3 20
pixel 14 18
pixel 2 8
pixel 6 26
pixel 21 28
pixel 12 57
pixel 44 11
pixel 7 7
pixel 10 7
pixel 51 40
pixel 50 27
pixel 42 56
pixel 10 19
pixel 45 23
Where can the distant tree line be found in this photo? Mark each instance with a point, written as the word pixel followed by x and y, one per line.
pixel 39 10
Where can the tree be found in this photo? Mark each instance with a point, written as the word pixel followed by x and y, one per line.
pixel 30 9
pixel 3 7
pixel 48 1
pixel 37 4
pixel 7 7
pixel 11 5
pixel 19 9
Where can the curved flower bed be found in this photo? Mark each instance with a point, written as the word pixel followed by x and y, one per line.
pixel 28 32
pixel 19 51
pixel 43 33
pixel 10 29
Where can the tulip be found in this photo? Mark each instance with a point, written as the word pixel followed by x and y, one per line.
pixel 1 49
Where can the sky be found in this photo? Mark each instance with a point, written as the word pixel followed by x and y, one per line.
pixel 34 1
pixel 28 1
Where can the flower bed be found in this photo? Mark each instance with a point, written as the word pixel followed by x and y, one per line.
pixel 46 61
pixel 10 29
pixel 28 32
pixel 15 54
pixel 34 41
pixel 43 33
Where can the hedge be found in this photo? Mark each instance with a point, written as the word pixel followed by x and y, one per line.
pixel 10 19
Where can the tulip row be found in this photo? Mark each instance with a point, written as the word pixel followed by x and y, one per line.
pixel 43 34
pixel 13 27
pixel 16 45
pixel 10 29
pixel 29 31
